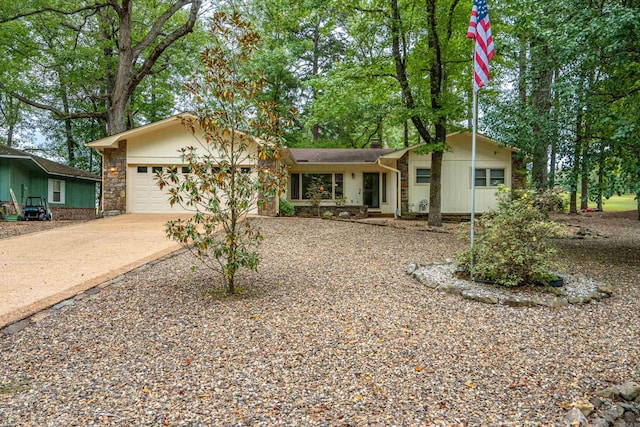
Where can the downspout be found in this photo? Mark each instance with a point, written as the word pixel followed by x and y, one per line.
pixel 101 154
pixel 398 212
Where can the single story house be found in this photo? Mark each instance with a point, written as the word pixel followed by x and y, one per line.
pixel 70 192
pixel 392 181
pixel 387 181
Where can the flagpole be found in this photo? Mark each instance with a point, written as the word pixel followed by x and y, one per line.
pixel 473 171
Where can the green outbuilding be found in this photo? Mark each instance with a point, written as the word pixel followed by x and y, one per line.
pixel 70 192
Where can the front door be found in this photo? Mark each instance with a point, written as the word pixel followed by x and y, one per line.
pixel 371 190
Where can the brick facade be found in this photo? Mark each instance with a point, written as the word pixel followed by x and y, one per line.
pixel 72 213
pixel 403 167
pixel 114 176
pixel 518 172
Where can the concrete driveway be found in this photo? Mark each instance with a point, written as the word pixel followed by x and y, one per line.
pixel 41 269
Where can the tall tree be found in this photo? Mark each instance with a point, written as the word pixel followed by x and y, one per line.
pixel 423 43
pixel 132 40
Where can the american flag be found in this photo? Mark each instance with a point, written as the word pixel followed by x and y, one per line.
pixel 480 31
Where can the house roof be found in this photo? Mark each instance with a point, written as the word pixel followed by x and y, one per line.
pixel 337 155
pixel 50 167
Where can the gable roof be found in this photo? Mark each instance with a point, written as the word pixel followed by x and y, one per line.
pixel 112 141
pixel 338 155
pixel 50 167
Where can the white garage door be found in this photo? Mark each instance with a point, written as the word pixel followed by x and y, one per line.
pixel 144 195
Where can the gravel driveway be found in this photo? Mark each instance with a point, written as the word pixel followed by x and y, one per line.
pixel 330 332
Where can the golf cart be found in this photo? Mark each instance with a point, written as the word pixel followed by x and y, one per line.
pixel 36 209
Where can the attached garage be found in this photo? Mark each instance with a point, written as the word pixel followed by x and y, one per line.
pixel 130 162
pixel 146 197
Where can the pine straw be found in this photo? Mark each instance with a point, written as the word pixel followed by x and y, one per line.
pixel 330 332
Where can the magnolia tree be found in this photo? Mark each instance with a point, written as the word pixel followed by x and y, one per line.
pixel 231 167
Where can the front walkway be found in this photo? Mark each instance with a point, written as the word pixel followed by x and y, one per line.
pixel 42 269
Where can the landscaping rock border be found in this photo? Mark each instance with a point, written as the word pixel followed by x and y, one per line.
pixel 618 406
pixel 576 290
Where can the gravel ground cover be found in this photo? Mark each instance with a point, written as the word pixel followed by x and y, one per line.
pixel 12 229
pixel 331 331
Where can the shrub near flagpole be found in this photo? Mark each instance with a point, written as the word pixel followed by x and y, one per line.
pixel 480 31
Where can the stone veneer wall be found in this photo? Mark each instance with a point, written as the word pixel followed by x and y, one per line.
pixel 518 172
pixel 114 177
pixel 354 211
pixel 72 213
pixel 403 167
pixel 267 207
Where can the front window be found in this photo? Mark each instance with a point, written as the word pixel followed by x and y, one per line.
pixel 56 191
pixel 423 176
pixel 384 188
pixel 481 177
pixel 489 177
pixel 325 180
pixel 295 186
pixel 496 177
pixel 331 183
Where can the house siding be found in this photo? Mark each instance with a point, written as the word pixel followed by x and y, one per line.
pixel 456 176
pixel 26 179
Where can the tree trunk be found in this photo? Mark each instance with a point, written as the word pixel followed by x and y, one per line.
pixel 601 167
pixel 68 132
pixel 575 172
pixel 541 100
pixel 584 188
pixel 116 115
pixel 10 132
pixel 315 70
pixel 552 165
pixel 435 195
pixel 406 133
pixel 436 83
pixel 584 168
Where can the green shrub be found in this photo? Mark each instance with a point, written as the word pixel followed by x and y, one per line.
pixel 286 208
pixel 513 244
pixel 547 201
pixel 327 214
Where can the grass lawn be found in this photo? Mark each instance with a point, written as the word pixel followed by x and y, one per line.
pixel 622 203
